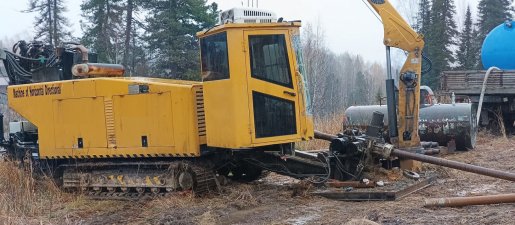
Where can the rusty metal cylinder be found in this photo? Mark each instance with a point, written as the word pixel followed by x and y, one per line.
pixel 465 201
pixel 98 70
pixel 437 123
pixel 455 165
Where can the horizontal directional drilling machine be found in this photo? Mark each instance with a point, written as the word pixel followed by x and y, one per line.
pixel 105 134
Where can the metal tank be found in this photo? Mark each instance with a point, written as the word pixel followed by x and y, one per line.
pixel 499 47
pixel 437 123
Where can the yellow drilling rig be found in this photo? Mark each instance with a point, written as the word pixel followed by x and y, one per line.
pixel 106 134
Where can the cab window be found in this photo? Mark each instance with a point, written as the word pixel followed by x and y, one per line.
pixel 214 57
pixel 269 59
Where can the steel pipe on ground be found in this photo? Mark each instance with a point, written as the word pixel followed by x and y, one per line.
pixel 455 165
pixel 465 201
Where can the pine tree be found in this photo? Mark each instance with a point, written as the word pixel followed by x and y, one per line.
pixel 137 56
pixel 423 16
pixel 171 29
pixel 129 8
pixel 133 51
pixel 440 40
pixel 102 28
pixel 50 23
pixel 491 13
pixel 467 55
pixel 422 26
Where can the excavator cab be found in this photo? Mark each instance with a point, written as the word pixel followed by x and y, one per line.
pixel 253 81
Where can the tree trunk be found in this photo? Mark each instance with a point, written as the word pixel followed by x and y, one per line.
pixel 107 25
pixel 128 31
pixel 50 30
pixel 56 37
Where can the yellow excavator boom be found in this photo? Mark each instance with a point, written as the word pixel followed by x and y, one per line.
pixel 399 34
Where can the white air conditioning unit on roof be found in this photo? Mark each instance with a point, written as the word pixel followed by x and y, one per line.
pixel 247 15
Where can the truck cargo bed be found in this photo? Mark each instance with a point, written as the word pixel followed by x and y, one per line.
pixel 471 82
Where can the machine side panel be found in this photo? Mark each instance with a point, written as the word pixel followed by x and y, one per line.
pixel 98 118
pixel 143 120
pixel 73 126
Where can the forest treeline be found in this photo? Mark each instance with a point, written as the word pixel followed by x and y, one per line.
pixel 450 48
pixel 157 38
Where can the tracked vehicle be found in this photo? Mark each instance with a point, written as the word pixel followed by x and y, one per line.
pixel 109 135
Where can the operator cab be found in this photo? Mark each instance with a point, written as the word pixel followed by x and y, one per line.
pixel 253 81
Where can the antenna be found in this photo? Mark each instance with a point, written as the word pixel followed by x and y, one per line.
pixel 257 3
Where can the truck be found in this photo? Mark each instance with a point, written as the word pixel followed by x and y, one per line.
pixel 498 106
pixel 492 90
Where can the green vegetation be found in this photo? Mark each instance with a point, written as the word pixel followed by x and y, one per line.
pixel 49 22
pixel 449 48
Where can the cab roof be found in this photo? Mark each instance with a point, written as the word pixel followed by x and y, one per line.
pixel 228 26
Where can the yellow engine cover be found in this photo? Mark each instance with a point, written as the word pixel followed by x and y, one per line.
pixel 114 117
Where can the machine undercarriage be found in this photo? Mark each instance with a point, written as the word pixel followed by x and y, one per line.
pixel 349 156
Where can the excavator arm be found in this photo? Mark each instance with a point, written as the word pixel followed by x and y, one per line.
pixel 399 34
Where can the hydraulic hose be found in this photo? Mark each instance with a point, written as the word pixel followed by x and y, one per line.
pixel 483 89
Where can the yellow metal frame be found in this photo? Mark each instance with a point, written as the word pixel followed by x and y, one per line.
pixel 399 34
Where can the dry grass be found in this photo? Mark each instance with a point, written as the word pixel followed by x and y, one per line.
pixel 27 199
pixel 500 122
pixel 23 196
pixel 332 124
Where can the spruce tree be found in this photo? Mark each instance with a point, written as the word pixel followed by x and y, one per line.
pixel 467 55
pixel 50 23
pixel 171 29
pixel 491 13
pixel 440 40
pixel 422 27
pixel 423 16
pixel 103 28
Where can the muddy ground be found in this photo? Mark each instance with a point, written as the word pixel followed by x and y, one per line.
pixel 277 200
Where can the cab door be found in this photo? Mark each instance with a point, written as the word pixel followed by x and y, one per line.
pixel 272 87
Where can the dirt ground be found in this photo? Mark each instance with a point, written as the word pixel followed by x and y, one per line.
pixel 276 200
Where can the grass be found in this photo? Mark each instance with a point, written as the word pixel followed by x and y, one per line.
pixel 332 124
pixel 23 196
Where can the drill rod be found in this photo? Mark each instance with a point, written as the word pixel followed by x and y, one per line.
pixel 464 201
pixel 455 165
pixel 324 136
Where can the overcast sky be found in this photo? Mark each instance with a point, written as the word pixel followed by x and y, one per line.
pixel 348 24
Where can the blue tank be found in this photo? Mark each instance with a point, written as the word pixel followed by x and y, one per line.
pixel 499 47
